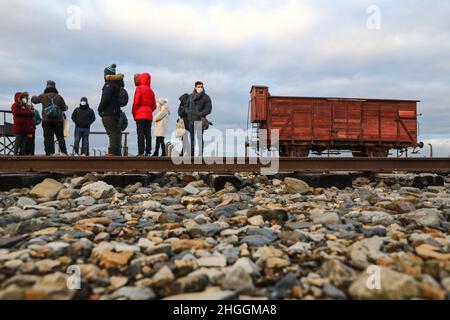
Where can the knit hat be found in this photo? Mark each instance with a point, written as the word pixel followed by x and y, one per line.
pixel 162 101
pixel 111 70
pixel 51 84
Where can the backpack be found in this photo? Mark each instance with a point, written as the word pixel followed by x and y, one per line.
pixel 37 117
pixel 123 121
pixel 53 111
pixel 123 98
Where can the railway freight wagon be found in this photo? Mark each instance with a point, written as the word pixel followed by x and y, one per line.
pixel 365 127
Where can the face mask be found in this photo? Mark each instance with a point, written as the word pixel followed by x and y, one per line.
pixel 24 100
pixel 199 90
pixel 83 103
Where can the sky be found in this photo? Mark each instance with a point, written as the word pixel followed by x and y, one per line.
pixel 350 48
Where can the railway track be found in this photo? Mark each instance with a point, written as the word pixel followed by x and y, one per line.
pixel 220 165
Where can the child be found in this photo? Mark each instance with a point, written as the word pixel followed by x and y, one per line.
pixel 24 123
pixel 83 117
pixel 162 120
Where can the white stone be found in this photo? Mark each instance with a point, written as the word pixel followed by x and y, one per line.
pixel 98 190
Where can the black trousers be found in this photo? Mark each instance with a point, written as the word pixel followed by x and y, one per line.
pixel 52 129
pixel 160 143
pixel 30 144
pixel 20 143
pixel 144 134
pixel 111 124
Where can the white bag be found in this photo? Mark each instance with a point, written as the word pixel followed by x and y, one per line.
pixel 66 128
pixel 181 129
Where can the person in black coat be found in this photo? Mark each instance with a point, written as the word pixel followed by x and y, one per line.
pixel 83 117
pixel 198 108
pixel 109 109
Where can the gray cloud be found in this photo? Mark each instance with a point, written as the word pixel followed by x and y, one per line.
pixel 305 48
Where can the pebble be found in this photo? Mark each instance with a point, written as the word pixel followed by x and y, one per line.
pixel 48 189
pixel 424 217
pixel 294 186
pixel 213 262
pixel 248 266
pixel 25 201
pixel 327 218
pixel 51 287
pixel 393 286
pixel 205 230
pixel 133 293
pixel 85 201
pixel 238 280
pixel 98 190
pixel 255 238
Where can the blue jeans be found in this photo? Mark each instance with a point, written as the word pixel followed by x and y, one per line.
pixel 196 137
pixel 82 134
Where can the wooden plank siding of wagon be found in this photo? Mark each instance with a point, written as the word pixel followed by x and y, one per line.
pixel 366 126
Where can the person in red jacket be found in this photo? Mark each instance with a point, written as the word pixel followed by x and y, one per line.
pixel 143 107
pixel 24 122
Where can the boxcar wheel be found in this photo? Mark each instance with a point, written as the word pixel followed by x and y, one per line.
pixel 294 152
pixel 378 153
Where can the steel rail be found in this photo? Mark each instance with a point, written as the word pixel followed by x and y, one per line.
pixel 136 164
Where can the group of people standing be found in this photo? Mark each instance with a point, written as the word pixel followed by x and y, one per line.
pixel 194 108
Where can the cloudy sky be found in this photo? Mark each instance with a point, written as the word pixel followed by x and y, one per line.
pixel 297 47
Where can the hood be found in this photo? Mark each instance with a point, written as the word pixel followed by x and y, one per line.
pixel 116 77
pixel 144 79
pixel 17 97
pixel 184 98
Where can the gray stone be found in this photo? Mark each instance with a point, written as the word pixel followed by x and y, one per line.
pixel 248 266
pixel 85 201
pixel 24 215
pixel 25 201
pixel 326 218
pixel 133 293
pixel 238 280
pixel 300 247
pixel 189 189
pixel 226 211
pixel 269 215
pixel 151 205
pixel 168 217
pixel 283 287
pixel 363 252
pixel 423 217
pixel 205 230
pixel 333 292
pixel 256 241
pixel 10 242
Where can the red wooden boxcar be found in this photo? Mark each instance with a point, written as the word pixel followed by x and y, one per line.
pixel 366 127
